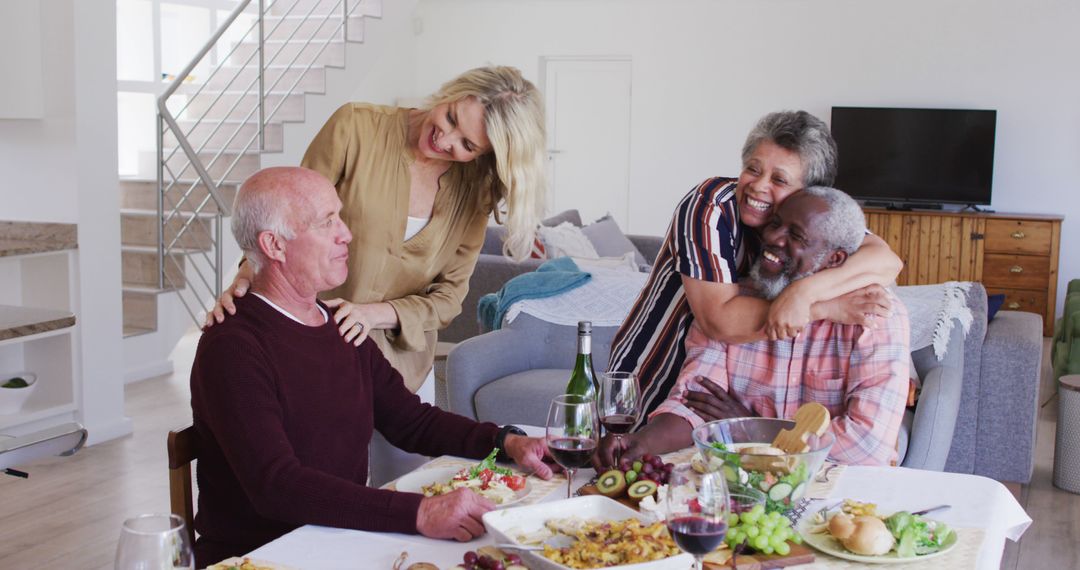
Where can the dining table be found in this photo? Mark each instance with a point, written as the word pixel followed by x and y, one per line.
pixel 982 509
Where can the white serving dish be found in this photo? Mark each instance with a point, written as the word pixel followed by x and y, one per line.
pixel 12 399
pixel 505 525
pixel 415 482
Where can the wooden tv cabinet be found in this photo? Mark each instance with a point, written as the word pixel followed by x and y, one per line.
pixel 1014 254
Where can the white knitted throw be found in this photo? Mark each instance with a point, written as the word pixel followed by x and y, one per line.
pixel 933 309
pixel 605 300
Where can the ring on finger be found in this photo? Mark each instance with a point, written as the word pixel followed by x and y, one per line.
pixel 358 326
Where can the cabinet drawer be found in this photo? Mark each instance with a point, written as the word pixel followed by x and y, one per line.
pixel 1016 271
pixel 1028 301
pixel 1018 236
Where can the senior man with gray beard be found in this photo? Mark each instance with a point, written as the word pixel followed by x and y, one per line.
pixel 860 374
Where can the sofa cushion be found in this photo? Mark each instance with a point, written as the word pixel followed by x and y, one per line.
pixel 493 237
pixel 522 398
pixel 566 239
pixel 610 241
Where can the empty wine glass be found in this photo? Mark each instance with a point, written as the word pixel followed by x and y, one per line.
pixel 697 519
pixel 154 542
pixel 572 433
pixel 619 405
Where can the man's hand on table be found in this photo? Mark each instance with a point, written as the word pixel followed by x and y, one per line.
pixel 528 453
pixel 454 515
pixel 714 404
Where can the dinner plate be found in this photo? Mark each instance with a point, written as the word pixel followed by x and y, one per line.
pixel 415 481
pixel 829 545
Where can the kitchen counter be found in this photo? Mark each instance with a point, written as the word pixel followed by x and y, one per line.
pixel 22 238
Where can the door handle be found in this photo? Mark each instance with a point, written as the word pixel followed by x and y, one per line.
pixel 1014 305
pixel 1016 269
pixel 1018 235
pixel 557 151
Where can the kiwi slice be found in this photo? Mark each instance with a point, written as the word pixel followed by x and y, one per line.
pixel 641 488
pixel 611 483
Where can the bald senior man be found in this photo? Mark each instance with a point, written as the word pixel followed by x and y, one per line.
pixel 286 408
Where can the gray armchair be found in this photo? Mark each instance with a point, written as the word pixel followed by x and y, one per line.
pixel 510 375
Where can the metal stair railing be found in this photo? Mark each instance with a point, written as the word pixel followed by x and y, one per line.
pixel 199 287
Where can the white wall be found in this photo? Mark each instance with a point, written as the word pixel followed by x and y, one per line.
pixel 706 70
pixel 20 30
pixel 62 168
pixel 35 184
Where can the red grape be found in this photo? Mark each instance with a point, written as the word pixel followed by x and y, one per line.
pixel 470 558
pixel 513 559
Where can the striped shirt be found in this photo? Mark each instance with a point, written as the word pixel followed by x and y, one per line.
pixel 860 375
pixel 704 241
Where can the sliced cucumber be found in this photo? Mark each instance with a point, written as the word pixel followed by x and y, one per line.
pixel 730 474
pixel 780 491
pixel 798 492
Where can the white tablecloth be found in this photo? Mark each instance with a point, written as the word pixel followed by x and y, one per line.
pixel 977 502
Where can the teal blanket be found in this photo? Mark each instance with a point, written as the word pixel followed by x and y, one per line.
pixel 552 278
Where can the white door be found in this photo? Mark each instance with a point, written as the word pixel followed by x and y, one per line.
pixel 588 127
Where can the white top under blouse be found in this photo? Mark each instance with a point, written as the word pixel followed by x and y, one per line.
pixel 414 225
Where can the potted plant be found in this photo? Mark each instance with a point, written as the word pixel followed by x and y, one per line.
pixel 15 389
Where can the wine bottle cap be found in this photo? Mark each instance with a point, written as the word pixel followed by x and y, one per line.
pixel 584 327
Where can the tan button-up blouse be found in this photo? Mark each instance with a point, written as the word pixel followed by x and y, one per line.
pixel 362 149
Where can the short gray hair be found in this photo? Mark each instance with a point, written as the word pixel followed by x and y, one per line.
pixel 257 212
pixel 802 133
pixel 843 227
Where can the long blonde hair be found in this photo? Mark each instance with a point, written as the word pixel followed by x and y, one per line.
pixel 515 169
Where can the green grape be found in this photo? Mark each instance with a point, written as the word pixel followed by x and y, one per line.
pixel 774 516
pixel 752 531
pixel 783 533
pixel 631 476
pixel 733 520
pixel 783 549
pixel 732 540
pixel 767 550
pixel 796 538
pixel 760 542
pixel 775 541
pixel 749 517
pixel 785 522
pixel 758 509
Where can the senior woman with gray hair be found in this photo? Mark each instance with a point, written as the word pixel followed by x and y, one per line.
pixel 712 240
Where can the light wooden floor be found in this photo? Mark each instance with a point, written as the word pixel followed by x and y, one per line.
pixel 68 514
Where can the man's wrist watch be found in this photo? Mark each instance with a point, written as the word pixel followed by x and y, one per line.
pixel 500 440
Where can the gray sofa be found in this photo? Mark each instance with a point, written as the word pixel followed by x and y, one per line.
pixel 985 424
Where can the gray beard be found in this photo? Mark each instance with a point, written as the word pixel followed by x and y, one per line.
pixel 771 287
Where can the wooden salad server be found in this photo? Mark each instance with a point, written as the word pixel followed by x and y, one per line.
pixel 810 418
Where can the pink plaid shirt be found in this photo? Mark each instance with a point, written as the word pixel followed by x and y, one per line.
pixel 860 375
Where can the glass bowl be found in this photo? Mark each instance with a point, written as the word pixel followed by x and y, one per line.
pixel 783 478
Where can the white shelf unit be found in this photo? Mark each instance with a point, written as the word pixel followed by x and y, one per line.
pixel 47 281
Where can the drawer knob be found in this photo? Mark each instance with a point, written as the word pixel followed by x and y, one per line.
pixel 1018 235
pixel 1014 305
pixel 1016 269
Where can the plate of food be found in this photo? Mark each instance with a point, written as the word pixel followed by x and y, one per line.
pixel 859 534
pixel 500 485
pixel 586 532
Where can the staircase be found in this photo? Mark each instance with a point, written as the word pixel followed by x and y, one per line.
pixel 172 228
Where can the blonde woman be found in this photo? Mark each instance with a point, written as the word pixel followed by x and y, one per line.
pixel 418 187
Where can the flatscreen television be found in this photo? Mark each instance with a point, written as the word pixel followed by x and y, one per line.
pixel 915 157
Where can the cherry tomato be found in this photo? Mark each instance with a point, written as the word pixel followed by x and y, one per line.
pixel 515 482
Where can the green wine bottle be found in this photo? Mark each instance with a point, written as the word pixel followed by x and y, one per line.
pixel 583 379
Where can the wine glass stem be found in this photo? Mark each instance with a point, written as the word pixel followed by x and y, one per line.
pixel 569 483
pixel 618 448
pixel 697 562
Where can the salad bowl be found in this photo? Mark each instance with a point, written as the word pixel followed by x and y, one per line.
pixel 737 447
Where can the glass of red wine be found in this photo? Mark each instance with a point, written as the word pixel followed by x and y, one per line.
pixel 572 433
pixel 619 405
pixel 698 521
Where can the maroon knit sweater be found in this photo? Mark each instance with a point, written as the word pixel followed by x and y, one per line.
pixel 285 413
